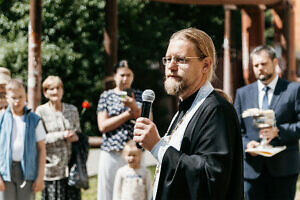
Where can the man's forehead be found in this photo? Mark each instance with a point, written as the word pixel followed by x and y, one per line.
pixel 180 46
pixel 261 56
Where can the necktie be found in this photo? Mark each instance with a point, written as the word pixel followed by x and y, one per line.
pixel 265 103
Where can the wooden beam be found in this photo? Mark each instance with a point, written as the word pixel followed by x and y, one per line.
pixel 284 25
pixel 252 35
pixel 289 27
pixel 223 2
pixel 227 67
pixel 34 54
pixel 110 40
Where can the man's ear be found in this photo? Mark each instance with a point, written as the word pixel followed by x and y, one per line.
pixel 275 62
pixel 207 63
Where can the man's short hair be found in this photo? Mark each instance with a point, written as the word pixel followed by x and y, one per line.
pixel 202 42
pixel 268 49
pixel 14 84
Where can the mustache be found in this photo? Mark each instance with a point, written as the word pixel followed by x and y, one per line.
pixel 171 75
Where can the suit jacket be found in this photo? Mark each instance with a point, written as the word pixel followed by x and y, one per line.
pixel 209 163
pixel 286 104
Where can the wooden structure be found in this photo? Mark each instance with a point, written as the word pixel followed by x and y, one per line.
pixel 34 54
pixel 252 34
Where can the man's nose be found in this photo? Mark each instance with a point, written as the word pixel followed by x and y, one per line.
pixel 172 65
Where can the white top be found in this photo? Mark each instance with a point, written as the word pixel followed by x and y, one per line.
pixel 161 147
pixel 18 136
pixel 261 92
pixel 132 184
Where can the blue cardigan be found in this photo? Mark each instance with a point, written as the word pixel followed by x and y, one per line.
pixel 29 162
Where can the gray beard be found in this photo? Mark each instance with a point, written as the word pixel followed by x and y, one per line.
pixel 173 87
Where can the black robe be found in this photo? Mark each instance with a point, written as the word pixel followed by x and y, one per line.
pixel 209 164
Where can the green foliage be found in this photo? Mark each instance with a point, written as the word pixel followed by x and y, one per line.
pixel 144 31
pixel 72 44
pixel 72 33
pixel 269 28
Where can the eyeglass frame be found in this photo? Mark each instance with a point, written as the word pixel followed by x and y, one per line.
pixel 175 58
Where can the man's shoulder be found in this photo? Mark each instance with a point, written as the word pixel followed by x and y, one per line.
pixel 291 85
pixel 214 100
pixel 246 88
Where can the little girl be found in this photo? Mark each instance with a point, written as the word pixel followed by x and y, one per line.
pixel 132 181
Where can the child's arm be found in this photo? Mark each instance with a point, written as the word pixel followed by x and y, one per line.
pixel 117 193
pixel 38 184
pixel 2 184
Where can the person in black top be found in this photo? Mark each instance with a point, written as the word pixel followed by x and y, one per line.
pixel 200 157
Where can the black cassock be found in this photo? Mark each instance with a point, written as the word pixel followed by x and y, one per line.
pixel 209 164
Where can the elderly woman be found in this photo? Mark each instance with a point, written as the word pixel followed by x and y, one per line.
pixel 62 125
pixel 116 113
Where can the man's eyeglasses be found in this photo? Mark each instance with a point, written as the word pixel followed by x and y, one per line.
pixel 177 59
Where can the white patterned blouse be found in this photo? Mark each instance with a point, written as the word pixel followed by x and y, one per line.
pixel 57 148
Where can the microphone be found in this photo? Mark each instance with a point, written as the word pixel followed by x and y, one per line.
pixel 148 97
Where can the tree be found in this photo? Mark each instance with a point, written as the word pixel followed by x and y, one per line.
pixel 72 44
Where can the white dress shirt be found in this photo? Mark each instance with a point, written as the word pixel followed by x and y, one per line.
pixel 261 92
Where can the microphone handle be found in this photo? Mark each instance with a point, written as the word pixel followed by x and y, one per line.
pixel 146 107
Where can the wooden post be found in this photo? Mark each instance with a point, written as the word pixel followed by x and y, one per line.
pixel 227 67
pixel 290 34
pixel 252 35
pixel 284 40
pixel 110 39
pixel 34 54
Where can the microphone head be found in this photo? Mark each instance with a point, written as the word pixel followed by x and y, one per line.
pixel 148 95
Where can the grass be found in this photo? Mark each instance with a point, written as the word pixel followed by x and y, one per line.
pixel 91 193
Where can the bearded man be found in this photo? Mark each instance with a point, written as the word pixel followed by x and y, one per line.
pixel 270 177
pixel 200 157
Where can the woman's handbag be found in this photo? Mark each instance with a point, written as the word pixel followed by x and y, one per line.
pixel 78 176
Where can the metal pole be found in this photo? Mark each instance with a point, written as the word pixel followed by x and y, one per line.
pixel 34 54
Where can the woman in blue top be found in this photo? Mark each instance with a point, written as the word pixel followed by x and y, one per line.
pixel 116 114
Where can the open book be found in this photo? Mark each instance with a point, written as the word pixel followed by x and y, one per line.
pixel 266 150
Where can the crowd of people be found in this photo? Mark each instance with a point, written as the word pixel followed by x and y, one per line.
pixel 203 155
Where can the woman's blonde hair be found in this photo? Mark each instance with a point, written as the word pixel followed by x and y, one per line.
pixel 50 81
pixel 202 42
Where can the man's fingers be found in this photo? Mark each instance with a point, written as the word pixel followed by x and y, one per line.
pixel 143 120
pixel 138 138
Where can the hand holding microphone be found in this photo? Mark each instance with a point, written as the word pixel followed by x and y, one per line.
pixel 145 131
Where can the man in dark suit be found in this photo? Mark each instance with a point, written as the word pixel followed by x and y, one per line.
pixel 270 177
pixel 200 157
